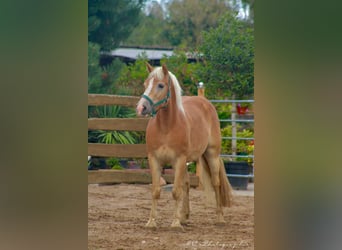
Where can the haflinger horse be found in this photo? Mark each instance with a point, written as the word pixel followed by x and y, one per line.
pixel 182 129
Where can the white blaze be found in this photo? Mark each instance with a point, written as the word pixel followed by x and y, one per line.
pixel 149 87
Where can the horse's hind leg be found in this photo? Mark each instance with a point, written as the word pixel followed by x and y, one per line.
pixel 155 171
pixel 214 166
pixel 186 206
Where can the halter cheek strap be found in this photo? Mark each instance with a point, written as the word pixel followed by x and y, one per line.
pixel 162 101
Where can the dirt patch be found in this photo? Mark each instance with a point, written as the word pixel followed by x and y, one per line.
pixel 117 215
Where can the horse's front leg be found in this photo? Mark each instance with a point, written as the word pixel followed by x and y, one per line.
pixel 155 171
pixel 178 192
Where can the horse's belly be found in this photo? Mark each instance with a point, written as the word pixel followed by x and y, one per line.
pixel 194 156
pixel 165 154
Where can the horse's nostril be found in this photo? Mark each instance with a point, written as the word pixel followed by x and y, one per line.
pixel 144 107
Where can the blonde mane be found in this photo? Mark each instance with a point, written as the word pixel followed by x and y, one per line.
pixel 159 74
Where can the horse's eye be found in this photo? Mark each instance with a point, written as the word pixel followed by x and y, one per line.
pixel 160 85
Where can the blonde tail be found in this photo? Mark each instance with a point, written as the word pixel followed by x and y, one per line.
pixel 226 191
pixel 205 181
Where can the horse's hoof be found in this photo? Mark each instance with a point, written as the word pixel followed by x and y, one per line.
pixel 184 219
pixel 151 224
pixel 184 222
pixel 178 229
pixel 177 226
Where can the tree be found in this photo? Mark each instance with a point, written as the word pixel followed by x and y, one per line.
pixel 94 69
pixel 110 22
pixel 150 30
pixel 228 54
pixel 101 79
pixel 248 6
pixel 187 19
pixel 245 9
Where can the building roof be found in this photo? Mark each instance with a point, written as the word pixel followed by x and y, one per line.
pixel 133 53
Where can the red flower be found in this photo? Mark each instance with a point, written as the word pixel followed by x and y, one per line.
pixel 241 110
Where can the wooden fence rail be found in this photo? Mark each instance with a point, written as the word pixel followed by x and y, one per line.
pixel 99 100
pixel 124 124
pixel 136 177
pixel 117 150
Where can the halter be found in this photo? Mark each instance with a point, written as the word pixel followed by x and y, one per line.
pixel 162 101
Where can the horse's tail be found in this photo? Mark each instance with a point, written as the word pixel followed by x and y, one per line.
pixel 226 191
pixel 206 181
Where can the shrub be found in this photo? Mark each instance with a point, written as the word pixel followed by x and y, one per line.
pixel 243 147
pixel 114 163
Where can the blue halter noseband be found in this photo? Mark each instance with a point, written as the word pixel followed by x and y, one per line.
pixel 157 104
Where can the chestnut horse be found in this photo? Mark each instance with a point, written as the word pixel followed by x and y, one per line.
pixel 182 129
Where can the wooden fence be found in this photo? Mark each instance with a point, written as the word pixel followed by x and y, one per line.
pixel 120 150
pixel 125 124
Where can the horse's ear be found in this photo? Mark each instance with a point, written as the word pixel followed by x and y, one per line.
pixel 165 70
pixel 149 67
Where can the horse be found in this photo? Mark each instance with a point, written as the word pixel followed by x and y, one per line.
pixel 182 129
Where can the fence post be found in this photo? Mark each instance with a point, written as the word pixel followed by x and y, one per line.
pixel 200 92
pixel 200 89
pixel 233 117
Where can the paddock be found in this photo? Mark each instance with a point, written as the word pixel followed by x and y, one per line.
pixel 117 217
pixel 119 202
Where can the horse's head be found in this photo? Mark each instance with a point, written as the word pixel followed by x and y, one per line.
pixel 157 91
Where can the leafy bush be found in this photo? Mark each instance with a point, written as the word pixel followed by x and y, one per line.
pixel 192 167
pixel 243 147
pixel 184 71
pixel 132 78
pixel 112 137
pixel 228 54
pixel 223 111
pixel 114 163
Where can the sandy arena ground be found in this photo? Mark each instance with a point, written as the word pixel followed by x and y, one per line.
pixel 117 215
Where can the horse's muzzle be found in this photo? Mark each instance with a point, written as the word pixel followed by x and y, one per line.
pixel 143 107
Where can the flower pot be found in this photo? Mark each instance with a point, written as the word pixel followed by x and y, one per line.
pixel 241 110
pixel 168 171
pixel 238 168
pixel 123 163
pixel 98 163
pixel 133 165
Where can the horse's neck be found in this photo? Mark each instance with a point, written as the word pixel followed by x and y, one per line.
pixel 171 117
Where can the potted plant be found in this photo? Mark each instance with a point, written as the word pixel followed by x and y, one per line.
pixel 238 165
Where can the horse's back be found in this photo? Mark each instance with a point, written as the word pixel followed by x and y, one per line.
pixel 203 120
pixel 199 108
